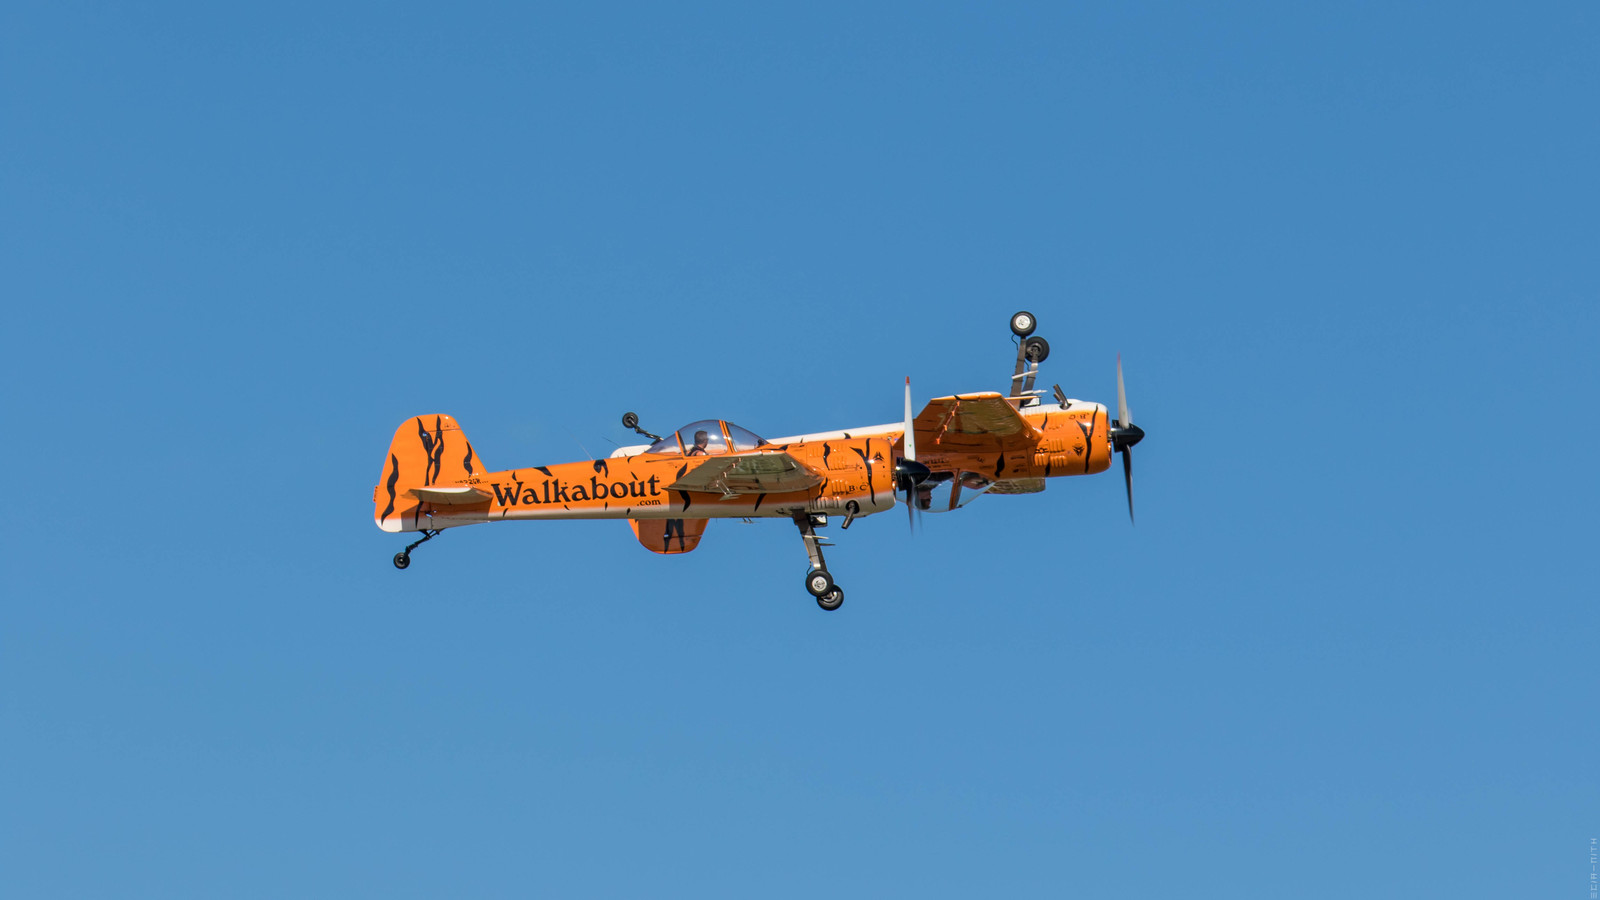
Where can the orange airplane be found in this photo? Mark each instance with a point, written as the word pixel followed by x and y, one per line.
pixel 956 449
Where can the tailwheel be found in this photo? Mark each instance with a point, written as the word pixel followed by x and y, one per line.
pixel 819 583
pixel 832 600
pixel 402 559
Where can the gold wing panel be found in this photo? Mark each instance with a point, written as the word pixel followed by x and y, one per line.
pixel 755 473
pixel 973 423
pixel 1018 486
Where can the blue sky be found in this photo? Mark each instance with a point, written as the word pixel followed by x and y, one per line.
pixel 1347 255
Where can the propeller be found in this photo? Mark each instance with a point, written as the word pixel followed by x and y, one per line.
pixel 1124 434
pixel 909 474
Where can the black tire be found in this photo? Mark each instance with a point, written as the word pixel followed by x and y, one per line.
pixel 1036 349
pixel 401 560
pixel 1023 323
pixel 832 600
pixel 630 420
pixel 818 582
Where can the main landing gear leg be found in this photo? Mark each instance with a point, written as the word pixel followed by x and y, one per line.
pixel 819 583
pixel 403 558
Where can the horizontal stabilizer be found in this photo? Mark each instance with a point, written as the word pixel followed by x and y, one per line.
pixel 450 495
pixel 756 473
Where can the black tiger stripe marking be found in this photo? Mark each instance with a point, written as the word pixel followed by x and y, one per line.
pixel 394 478
pixel 1088 436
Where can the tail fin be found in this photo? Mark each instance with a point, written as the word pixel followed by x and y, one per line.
pixel 426 450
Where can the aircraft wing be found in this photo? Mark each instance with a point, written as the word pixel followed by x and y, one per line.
pixel 754 473
pixel 980 423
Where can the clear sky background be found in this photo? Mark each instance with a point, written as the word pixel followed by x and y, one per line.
pixel 1348 255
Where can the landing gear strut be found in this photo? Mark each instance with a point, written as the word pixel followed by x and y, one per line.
pixel 1030 352
pixel 819 583
pixel 403 558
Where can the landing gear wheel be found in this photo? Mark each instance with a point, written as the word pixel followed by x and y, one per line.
pixel 832 600
pixel 402 559
pixel 1036 349
pixel 819 583
pixel 1023 324
pixel 630 420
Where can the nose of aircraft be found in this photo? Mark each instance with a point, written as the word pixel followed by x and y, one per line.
pixel 1124 437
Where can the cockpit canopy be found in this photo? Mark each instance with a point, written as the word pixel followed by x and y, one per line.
pixel 707 437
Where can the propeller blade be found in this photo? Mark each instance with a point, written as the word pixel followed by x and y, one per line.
pixel 1127 477
pixel 907 473
pixel 1124 435
pixel 1124 415
pixel 911 439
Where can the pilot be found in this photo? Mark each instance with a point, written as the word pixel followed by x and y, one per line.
pixel 701 439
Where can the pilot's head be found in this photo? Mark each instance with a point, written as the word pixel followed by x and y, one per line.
pixel 701 439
